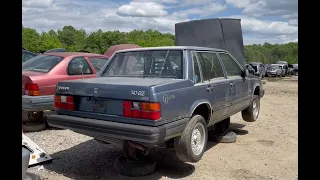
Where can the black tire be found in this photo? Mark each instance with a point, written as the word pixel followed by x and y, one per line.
pixel 33 127
pixel 229 137
pixel 182 144
pixel 31 176
pixel 222 127
pixel 33 121
pixel 248 114
pixel 32 116
pixel 134 168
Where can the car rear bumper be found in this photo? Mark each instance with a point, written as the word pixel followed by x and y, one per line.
pixel 37 103
pixel 120 131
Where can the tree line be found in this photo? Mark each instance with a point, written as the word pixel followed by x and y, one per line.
pixel 98 42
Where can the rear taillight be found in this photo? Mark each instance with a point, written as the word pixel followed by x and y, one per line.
pixel 64 102
pixel 32 90
pixel 143 110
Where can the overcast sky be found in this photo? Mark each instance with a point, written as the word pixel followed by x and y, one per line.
pixel 273 21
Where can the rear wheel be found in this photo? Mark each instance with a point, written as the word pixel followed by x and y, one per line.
pixel 191 145
pixel 251 113
pixel 33 121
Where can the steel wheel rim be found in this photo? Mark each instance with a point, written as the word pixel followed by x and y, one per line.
pixel 255 108
pixel 198 139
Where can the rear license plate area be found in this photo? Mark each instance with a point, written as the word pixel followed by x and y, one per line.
pixel 99 105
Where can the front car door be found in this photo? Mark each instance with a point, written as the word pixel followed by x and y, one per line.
pixel 240 97
pixel 214 83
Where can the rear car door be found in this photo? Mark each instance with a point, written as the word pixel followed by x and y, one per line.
pixel 79 68
pixel 98 62
pixel 214 83
pixel 239 86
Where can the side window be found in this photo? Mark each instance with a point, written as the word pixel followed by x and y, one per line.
pixel 98 62
pixel 210 65
pixel 196 73
pixel 231 66
pixel 79 66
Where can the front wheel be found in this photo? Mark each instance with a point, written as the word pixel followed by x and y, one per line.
pixel 251 113
pixel 191 145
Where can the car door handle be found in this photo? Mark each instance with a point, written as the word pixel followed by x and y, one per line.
pixel 210 88
pixel 231 84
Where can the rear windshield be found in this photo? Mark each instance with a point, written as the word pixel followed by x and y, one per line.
pixel 41 63
pixel 153 63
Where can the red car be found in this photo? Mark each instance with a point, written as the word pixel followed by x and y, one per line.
pixel 41 74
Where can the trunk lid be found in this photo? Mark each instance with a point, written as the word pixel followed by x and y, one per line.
pixel 106 94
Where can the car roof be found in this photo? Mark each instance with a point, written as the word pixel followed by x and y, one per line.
pixel 67 54
pixel 26 51
pixel 256 63
pixel 174 48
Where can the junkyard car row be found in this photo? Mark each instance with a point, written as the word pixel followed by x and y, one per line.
pixel 141 98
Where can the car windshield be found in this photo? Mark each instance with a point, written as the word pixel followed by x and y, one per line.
pixel 151 63
pixel 273 67
pixel 41 63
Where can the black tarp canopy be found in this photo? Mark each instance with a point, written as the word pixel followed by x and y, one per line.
pixel 213 33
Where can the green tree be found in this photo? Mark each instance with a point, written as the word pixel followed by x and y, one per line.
pixel 48 41
pixel 99 41
pixel 30 39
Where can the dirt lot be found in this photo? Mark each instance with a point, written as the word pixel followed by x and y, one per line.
pixel 266 149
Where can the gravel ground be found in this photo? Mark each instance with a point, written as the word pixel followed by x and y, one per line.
pixel 265 149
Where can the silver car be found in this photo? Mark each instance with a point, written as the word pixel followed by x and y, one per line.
pixel 274 70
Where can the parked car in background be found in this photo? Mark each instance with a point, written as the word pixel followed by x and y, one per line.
pixel 259 68
pixel 40 76
pixel 274 70
pixel 292 69
pixel 250 69
pixel 56 50
pixel 265 69
pixel 282 62
pixel 26 55
pixel 118 47
pixel 284 68
pixel 136 100
pixel 295 70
